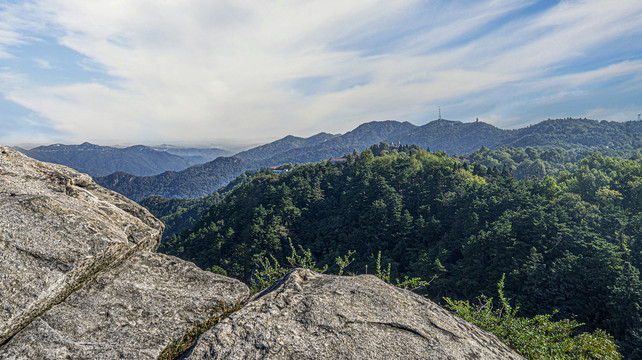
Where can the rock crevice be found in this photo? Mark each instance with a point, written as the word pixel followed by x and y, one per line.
pixel 78 276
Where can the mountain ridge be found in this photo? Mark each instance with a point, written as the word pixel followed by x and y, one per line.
pixel 98 160
pixel 453 137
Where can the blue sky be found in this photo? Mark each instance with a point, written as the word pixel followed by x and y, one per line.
pixel 234 71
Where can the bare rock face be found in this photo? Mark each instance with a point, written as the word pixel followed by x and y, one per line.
pixel 77 278
pixel 307 315
pixel 131 311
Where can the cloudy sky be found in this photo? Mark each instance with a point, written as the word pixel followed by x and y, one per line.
pixel 214 71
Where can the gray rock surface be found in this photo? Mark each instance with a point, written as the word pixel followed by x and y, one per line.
pixel 131 311
pixel 57 229
pixel 77 279
pixel 307 315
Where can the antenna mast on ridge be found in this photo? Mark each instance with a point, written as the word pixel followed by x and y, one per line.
pixel 440 114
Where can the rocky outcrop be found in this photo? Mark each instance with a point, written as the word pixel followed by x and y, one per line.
pixel 78 278
pixel 307 315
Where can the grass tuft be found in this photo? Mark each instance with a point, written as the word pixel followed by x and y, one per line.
pixel 179 346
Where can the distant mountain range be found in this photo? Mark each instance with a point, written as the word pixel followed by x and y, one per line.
pixel 194 155
pixel 177 172
pixel 137 160
pixel 453 137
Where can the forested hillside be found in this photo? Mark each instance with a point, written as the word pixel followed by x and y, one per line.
pixel 283 145
pixel 571 244
pixel 195 181
pixel 573 133
pixel 456 137
pixel 181 214
pixel 527 162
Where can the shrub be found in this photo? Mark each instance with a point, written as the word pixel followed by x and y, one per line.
pixel 538 337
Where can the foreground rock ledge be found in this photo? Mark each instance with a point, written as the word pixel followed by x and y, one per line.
pixel 57 230
pixel 132 311
pixel 78 276
pixel 307 315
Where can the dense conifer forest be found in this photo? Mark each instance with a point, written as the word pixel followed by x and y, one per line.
pixel 571 243
pixel 181 214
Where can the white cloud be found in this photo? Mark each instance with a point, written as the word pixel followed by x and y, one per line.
pixel 568 31
pixel 9 26
pixel 43 64
pixel 203 69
